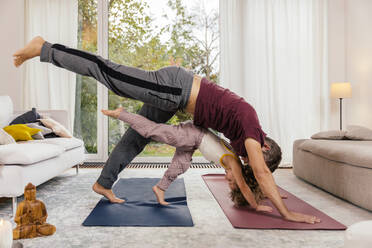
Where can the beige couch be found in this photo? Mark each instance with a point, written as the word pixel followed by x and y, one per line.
pixel 341 167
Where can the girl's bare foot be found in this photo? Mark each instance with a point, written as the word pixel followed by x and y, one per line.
pixel 99 189
pixel 113 113
pixel 31 50
pixel 159 195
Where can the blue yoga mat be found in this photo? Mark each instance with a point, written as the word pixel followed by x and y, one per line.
pixel 141 207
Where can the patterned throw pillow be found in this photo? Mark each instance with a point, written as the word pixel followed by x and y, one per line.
pixel 5 138
pixel 56 127
pixel 21 132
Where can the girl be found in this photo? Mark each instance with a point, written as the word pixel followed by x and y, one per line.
pixel 187 137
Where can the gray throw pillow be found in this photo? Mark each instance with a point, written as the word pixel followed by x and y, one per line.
pixel 330 135
pixel 44 130
pixel 355 132
pixel 38 136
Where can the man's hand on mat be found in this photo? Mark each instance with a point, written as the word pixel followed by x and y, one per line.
pixel 283 196
pixel 298 217
pixel 113 113
pixel 263 208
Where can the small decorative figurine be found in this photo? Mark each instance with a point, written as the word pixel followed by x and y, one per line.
pixel 31 217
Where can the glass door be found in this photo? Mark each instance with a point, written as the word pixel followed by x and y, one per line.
pixel 153 34
pixel 147 34
pixel 85 124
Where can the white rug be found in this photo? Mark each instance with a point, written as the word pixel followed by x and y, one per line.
pixel 69 199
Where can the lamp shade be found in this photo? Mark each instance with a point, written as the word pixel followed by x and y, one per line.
pixel 341 90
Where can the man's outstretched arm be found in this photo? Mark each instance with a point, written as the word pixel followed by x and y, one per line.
pixel 267 183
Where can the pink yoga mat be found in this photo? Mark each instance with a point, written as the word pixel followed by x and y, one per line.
pixel 247 218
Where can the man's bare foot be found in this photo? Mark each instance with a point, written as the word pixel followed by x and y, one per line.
pixel 159 195
pixel 113 113
pixel 31 50
pixel 99 189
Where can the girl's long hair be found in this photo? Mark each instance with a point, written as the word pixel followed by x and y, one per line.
pixel 272 157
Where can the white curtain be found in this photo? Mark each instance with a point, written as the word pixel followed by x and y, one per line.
pixel 274 54
pixel 46 86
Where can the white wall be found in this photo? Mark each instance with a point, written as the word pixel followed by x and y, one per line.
pixel 358 19
pixel 349 55
pixel 336 55
pixel 350 59
pixel 12 38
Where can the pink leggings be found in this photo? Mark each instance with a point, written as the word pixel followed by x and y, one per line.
pixel 186 137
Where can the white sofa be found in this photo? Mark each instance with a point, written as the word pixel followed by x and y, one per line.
pixel 35 161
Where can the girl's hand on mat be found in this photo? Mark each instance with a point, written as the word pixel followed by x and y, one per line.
pixel 298 217
pixel 263 208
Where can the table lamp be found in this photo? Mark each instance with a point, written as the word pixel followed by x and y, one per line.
pixel 341 90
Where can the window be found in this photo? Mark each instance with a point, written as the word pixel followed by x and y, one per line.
pixel 147 34
pixel 85 126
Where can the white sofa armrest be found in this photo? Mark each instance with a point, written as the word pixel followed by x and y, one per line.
pixel 60 116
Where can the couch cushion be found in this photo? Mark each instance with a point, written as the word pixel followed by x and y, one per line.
pixel 65 143
pixel 5 138
pixel 330 135
pixel 352 152
pixel 355 132
pixel 28 153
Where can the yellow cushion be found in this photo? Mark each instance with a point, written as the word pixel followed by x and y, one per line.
pixel 21 131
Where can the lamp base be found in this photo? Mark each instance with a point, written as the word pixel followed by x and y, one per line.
pixel 340 113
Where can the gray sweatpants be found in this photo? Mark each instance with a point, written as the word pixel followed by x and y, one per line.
pixel 163 91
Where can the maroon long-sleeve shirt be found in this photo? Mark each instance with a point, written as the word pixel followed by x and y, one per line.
pixel 228 113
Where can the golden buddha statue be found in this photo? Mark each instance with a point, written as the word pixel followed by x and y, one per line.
pixel 31 217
